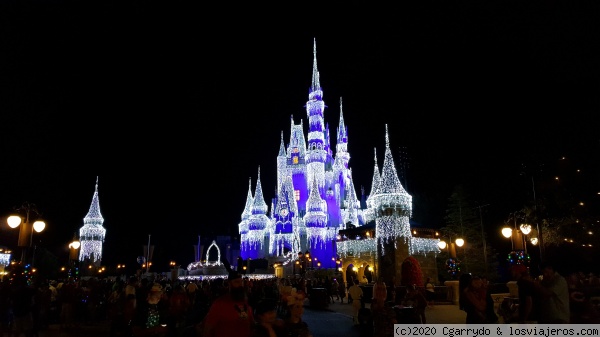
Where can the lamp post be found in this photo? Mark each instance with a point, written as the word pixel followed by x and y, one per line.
pixel 453 266
pixel 73 254
pixel 518 240
pixel 26 214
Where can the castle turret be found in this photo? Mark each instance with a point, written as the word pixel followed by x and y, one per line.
pixel 391 201
pixel 258 223
pixel 92 234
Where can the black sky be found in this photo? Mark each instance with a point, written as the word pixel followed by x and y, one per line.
pixel 175 107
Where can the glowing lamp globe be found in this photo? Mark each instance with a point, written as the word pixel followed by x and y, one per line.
pixel 442 244
pixel 75 244
pixel 459 242
pixel 507 232
pixel 534 241
pixel 525 228
pixel 13 221
pixel 39 226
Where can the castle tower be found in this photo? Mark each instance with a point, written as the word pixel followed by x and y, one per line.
pixel 258 224
pixel 92 234
pixel 316 153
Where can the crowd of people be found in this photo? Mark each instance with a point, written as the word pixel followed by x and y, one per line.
pixel 549 298
pixel 237 305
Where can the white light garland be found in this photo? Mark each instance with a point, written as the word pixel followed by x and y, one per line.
pixel 218 261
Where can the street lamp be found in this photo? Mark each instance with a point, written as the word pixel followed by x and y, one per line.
pixel 518 236
pixel 73 254
pixel 459 242
pixel 25 214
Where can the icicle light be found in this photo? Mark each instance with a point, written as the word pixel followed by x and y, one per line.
pixel 424 246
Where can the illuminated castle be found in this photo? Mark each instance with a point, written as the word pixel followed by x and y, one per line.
pixel 92 234
pixel 316 197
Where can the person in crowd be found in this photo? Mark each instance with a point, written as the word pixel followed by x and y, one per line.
pixel 294 326
pixel 179 305
pixel 151 315
pixel 429 292
pixel 528 298
pixel 582 309
pixel 383 315
pixel 356 292
pixel 335 290
pixel 230 314
pixel 67 295
pixel 554 296
pixel 130 298
pixel 21 301
pixel 285 289
pixel 267 323
pixel 473 299
pixel 418 301
pixel 191 289
pixel 342 292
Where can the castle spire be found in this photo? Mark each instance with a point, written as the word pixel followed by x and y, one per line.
pixel 375 183
pixel 282 146
pixel 259 206
pixel 94 216
pixel 249 201
pixel 316 85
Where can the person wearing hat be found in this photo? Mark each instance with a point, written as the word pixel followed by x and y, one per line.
pixel 229 314
pixel 151 315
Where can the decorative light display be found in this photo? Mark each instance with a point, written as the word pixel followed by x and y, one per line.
pixel 518 257
pixel 355 247
pixel 318 190
pixel 424 246
pixel 214 277
pixel 92 234
pixel 218 261
pixel 5 259
pixel 453 267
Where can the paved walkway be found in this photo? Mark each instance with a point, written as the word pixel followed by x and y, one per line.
pixel 437 314
pixel 336 319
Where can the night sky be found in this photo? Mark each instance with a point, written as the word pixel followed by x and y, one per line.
pixel 175 107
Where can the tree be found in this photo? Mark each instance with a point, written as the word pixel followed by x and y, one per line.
pixel 463 219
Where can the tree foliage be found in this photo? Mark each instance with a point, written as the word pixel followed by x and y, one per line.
pixel 464 220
